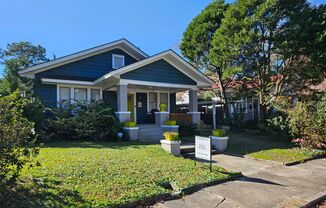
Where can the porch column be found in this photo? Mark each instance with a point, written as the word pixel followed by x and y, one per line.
pixel 193 106
pixel 122 98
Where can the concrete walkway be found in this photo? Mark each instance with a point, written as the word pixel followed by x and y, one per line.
pixel 265 184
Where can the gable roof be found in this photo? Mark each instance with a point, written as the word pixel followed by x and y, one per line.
pixel 172 58
pixel 123 44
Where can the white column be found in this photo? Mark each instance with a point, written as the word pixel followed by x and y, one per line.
pixel 122 98
pixel 193 106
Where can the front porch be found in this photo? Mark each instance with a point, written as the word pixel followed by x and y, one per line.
pixel 141 103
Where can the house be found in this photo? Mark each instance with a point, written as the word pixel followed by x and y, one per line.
pixel 119 73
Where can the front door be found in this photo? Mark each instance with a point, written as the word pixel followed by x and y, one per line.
pixel 141 105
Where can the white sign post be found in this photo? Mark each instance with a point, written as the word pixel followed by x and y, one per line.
pixel 203 149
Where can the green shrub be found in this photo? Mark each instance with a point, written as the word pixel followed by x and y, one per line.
pixel 238 120
pixel 17 139
pixel 94 122
pixel 170 122
pixel 218 132
pixel 171 136
pixel 129 124
pixel 187 128
pixel 277 127
pixel 307 122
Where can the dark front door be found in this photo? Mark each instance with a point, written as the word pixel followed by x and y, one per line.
pixel 141 105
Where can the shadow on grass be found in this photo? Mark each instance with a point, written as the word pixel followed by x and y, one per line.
pixel 97 145
pixel 40 193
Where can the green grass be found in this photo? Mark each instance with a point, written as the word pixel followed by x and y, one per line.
pixel 282 155
pixel 260 146
pixel 106 174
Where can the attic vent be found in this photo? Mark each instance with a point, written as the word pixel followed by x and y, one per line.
pixel 118 61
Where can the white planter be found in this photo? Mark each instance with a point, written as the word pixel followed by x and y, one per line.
pixel 172 147
pixel 132 132
pixel 168 128
pixel 220 143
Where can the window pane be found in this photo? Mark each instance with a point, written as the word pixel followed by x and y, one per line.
pixel 118 61
pixel 80 94
pixel 95 94
pixel 164 99
pixel 152 100
pixel 64 94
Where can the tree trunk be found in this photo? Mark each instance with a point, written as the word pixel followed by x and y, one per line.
pixel 223 93
pixel 262 106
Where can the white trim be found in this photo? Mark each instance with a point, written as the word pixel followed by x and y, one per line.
pixel 131 128
pixel 118 56
pixel 62 81
pixel 123 112
pixel 84 54
pixel 157 84
pixel 159 112
pixel 72 92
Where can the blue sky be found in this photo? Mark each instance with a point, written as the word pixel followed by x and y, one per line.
pixel 66 26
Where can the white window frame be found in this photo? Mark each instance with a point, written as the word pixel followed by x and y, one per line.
pixel 118 56
pixel 72 92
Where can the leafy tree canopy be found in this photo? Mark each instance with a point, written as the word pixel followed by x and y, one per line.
pixel 15 57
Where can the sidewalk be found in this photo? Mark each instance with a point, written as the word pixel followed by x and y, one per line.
pixel 265 184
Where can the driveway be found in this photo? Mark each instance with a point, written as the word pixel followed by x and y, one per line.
pixel 265 184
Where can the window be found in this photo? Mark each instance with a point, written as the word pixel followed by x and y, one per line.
pixel 152 101
pixel 80 94
pixel 164 99
pixel 118 61
pixel 64 94
pixel 95 94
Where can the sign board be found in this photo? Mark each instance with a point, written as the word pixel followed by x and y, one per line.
pixel 203 148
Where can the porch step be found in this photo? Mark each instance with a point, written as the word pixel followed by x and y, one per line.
pixel 150 133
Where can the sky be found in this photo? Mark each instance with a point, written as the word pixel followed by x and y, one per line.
pixel 67 26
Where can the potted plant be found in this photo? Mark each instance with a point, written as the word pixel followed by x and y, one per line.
pixel 170 126
pixel 162 107
pixel 131 129
pixel 171 143
pixel 219 140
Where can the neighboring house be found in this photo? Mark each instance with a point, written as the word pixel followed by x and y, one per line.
pixel 119 73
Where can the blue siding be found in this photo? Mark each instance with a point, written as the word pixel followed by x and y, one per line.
pixel 47 93
pixel 159 71
pixel 88 69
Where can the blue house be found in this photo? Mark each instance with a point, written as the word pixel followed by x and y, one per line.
pixel 121 74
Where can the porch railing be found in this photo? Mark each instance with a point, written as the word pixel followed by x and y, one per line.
pixel 180 117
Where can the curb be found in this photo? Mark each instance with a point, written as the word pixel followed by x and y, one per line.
pixel 315 199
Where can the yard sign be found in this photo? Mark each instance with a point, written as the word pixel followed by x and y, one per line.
pixel 203 149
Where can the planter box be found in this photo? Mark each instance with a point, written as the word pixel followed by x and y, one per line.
pixel 172 147
pixel 167 128
pixel 132 132
pixel 220 143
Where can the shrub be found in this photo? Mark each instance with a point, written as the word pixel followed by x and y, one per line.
pixel 162 107
pixel 307 122
pixel 94 121
pixel 171 136
pixel 187 128
pixel 17 139
pixel 129 124
pixel 238 120
pixel 170 122
pixel 277 126
pixel 218 132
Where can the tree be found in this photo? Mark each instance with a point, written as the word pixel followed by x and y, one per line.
pixel 15 57
pixel 197 38
pixel 254 43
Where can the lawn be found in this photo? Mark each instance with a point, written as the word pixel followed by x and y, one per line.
pixel 105 174
pixel 260 146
